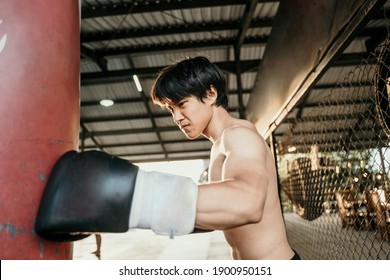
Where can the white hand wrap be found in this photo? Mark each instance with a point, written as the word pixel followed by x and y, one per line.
pixel 164 203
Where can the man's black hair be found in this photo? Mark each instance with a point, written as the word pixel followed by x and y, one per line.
pixel 189 77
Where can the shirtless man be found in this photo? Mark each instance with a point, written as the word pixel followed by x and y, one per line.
pixel 94 192
pixel 241 197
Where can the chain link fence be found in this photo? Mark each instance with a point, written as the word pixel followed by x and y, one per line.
pixel 333 165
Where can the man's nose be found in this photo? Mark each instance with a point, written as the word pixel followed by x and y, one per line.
pixel 177 116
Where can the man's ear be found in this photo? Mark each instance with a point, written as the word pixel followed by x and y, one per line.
pixel 212 94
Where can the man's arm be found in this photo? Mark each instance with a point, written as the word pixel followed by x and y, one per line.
pixel 94 192
pixel 239 198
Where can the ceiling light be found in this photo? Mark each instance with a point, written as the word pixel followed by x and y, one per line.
pixel 137 83
pixel 292 149
pixel 106 102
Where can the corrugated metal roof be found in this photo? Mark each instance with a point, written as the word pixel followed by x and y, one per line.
pixel 122 38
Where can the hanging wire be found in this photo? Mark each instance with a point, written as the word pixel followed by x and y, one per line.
pixel 117 30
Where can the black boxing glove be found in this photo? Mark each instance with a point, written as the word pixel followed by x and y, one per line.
pixel 94 192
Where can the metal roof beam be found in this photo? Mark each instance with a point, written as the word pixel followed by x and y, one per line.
pixel 255 40
pixel 247 17
pixel 131 33
pixel 99 60
pixel 116 76
pixel 135 7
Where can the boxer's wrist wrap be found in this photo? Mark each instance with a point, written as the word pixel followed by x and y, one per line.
pixel 164 203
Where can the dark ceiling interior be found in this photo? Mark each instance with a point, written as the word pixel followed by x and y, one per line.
pixel 120 39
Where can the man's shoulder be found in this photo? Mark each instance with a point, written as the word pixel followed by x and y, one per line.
pixel 243 134
pixel 240 127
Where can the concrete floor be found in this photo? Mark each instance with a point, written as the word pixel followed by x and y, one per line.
pixel 321 239
pixel 145 245
pixel 325 239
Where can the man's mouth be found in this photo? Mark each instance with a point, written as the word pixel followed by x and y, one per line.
pixel 184 127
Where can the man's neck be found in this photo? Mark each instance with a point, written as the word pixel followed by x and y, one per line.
pixel 218 122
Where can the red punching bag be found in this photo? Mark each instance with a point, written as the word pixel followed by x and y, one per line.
pixel 39 115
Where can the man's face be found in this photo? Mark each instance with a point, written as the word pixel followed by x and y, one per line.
pixel 191 115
